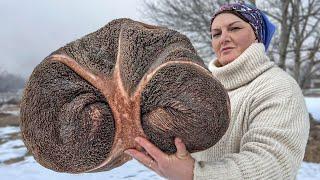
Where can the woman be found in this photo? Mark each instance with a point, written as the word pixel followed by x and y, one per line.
pixel 269 124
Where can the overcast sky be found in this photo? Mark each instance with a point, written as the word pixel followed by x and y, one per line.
pixel 31 29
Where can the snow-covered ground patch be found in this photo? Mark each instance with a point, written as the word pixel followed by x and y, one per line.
pixel 30 169
pixel 10 109
pixel 313 105
pixel 7 131
pixel 12 150
pixel 309 171
pixel 26 168
pixel 15 113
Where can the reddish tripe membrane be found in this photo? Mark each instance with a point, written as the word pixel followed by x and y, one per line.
pixel 86 102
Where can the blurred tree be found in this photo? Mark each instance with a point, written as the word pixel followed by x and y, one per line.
pixel 10 82
pixel 295 46
pixel 191 17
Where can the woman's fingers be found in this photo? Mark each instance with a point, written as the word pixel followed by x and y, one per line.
pixel 142 158
pixel 182 152
pixel 176 166
pixel 151 149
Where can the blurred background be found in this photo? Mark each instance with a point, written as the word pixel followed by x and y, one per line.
pixel 31 29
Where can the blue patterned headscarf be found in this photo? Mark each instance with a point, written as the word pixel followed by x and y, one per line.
pixel 259 22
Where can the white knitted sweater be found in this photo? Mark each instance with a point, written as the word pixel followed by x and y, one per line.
pixel 269 125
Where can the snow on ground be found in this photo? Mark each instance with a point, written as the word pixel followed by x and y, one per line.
pixel 313 105
pixel 31 170
pixel 15 113
pixel 309 171
pixel 28 169
pixel 10 109
pixel 6 131
pixel 11 150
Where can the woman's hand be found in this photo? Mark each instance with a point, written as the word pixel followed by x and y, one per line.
pixel 174 167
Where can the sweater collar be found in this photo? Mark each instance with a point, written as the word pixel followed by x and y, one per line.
pixel 250 64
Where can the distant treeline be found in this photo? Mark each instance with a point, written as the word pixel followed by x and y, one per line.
pixel 10 82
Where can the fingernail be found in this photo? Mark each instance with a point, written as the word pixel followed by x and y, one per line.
pixel 137 139
pixel 128 152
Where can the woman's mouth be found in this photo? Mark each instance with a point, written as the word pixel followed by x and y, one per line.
pixel 226 49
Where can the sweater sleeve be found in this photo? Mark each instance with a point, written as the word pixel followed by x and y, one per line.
pixel 272 147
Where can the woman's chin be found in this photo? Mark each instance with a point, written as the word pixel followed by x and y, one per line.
pixel 226 60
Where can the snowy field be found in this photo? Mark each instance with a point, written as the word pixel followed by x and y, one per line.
pixel 29 169
pixel 313 105
pixel 16 164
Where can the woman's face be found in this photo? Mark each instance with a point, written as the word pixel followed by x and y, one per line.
pixel 230 37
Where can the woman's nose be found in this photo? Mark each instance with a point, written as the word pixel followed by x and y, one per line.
pixel 225 37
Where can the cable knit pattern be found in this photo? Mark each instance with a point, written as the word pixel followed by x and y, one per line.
pixel 269 124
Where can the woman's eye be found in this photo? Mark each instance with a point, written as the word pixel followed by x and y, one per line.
pixel 215 35
pixel 235 28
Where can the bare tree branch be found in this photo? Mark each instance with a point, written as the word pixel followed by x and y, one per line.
pixel 295 46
